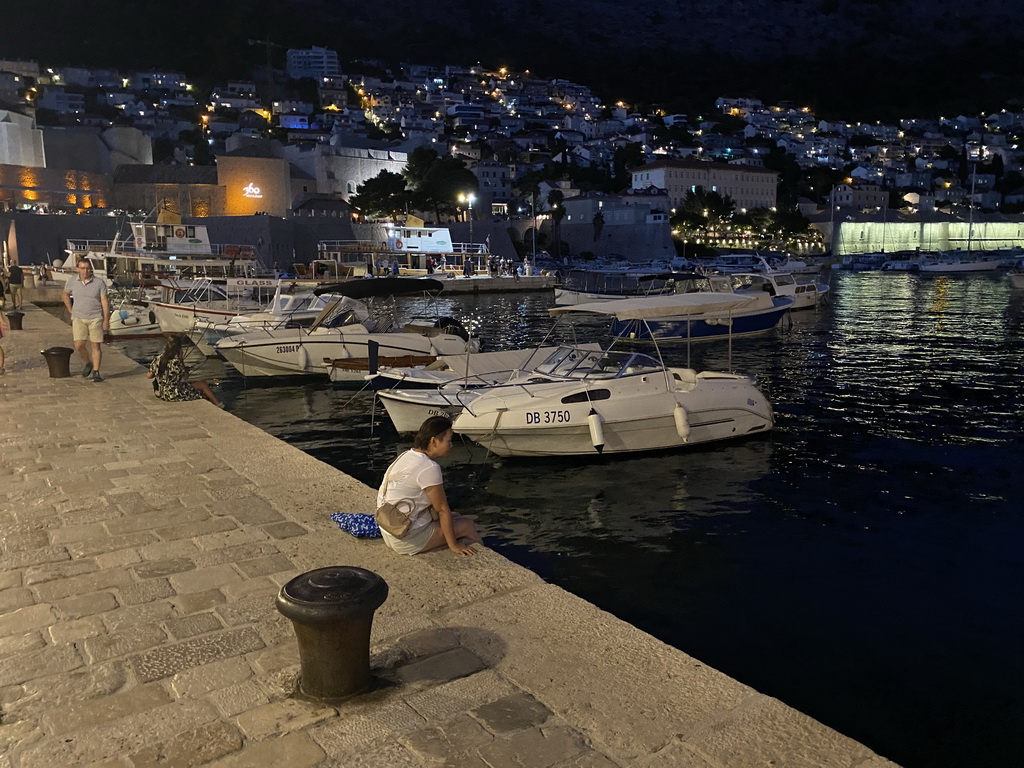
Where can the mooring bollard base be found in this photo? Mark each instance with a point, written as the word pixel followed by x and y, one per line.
pixel 332 612
pixel 58 360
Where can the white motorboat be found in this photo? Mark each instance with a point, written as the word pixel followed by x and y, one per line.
pixel 183 302
pixel 409 405
pixel 805 295
pixel 580 402
pixel 130 315
pixel 290 307
pixel 361 312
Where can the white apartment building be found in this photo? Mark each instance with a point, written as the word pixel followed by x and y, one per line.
pixel 313 62
pixel 748 186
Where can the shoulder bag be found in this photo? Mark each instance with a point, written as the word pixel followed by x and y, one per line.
pixel 396 518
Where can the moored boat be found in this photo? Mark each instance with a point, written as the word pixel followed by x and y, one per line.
pixel 696 316
pixel 362 312
pixel 955 263
pixel 580 402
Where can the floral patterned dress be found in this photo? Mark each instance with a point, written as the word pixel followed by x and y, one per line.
pixel 172 386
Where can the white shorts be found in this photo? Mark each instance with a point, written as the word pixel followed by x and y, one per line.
pixel 414 542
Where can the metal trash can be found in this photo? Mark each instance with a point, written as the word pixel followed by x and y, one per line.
pixel 59 361
pixel 331 610
pixel 14 318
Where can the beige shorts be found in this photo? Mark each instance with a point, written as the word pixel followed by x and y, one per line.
pixel 87 330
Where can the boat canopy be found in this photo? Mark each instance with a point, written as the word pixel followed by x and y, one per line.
pixel 661 306
pixel 365 288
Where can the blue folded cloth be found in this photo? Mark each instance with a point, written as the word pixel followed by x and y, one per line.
pixel 359 524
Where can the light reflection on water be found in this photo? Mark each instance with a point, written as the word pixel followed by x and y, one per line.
pixel 846 563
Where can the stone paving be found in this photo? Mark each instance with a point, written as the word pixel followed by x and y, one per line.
pixel 142 545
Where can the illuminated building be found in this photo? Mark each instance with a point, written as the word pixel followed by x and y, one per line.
pixel 749 186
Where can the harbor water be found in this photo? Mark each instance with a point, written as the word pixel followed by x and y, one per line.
pixel 862 562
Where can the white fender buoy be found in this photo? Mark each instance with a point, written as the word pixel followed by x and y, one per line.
pixel 682 420
pixel 596 430
pixel 303 358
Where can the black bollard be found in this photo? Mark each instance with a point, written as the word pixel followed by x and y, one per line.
pixel 58 359
pixel 14 318
pixel 332 612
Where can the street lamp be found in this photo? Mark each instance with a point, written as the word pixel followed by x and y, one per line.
pixel 468 200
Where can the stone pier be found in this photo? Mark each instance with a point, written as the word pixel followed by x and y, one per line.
pixel 142 544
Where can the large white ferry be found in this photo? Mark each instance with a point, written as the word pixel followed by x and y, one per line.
pixel 166 249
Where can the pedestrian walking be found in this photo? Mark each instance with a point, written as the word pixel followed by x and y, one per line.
pixel 85 297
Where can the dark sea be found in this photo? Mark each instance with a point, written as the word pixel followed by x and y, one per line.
pixel 862 562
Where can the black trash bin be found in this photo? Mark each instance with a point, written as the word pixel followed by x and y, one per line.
pixel 332 612
pixel 15 320
pixel 59 361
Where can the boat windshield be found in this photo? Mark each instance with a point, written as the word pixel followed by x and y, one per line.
pixel 575 363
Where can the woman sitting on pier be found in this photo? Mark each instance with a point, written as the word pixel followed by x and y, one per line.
pixel 415 476
pixel 170 375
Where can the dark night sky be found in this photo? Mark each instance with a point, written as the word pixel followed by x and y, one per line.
pixel 858 59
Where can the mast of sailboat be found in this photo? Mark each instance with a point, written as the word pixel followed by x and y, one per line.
pixel 970 209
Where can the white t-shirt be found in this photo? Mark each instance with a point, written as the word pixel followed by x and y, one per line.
pixel 409 476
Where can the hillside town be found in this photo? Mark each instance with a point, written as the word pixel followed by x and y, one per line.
pixel 544 161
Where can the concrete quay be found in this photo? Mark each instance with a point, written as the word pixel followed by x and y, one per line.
pixel 142 544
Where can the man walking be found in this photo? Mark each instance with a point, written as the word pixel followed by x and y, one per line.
pixel 14 281
pixel 90 316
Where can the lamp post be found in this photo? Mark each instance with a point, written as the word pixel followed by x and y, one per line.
pixel 468 200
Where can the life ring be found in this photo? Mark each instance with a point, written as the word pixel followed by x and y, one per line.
pixel 452 326
pixel 398 244
pixel 179 232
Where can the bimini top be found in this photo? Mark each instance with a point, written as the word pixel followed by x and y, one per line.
pixel 672 305
pixel 365 288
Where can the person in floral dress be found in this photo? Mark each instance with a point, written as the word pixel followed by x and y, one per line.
pixel 170 376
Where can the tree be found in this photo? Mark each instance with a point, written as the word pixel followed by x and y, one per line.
pixel 382 196
pixel 446 179
pixel 598 225
pixel 419 163
pixel 626 158
pixel 789 222
pixel 705 210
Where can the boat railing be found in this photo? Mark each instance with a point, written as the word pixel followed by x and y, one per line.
pixel 325 247
pixel 90 246
pixel 128 247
